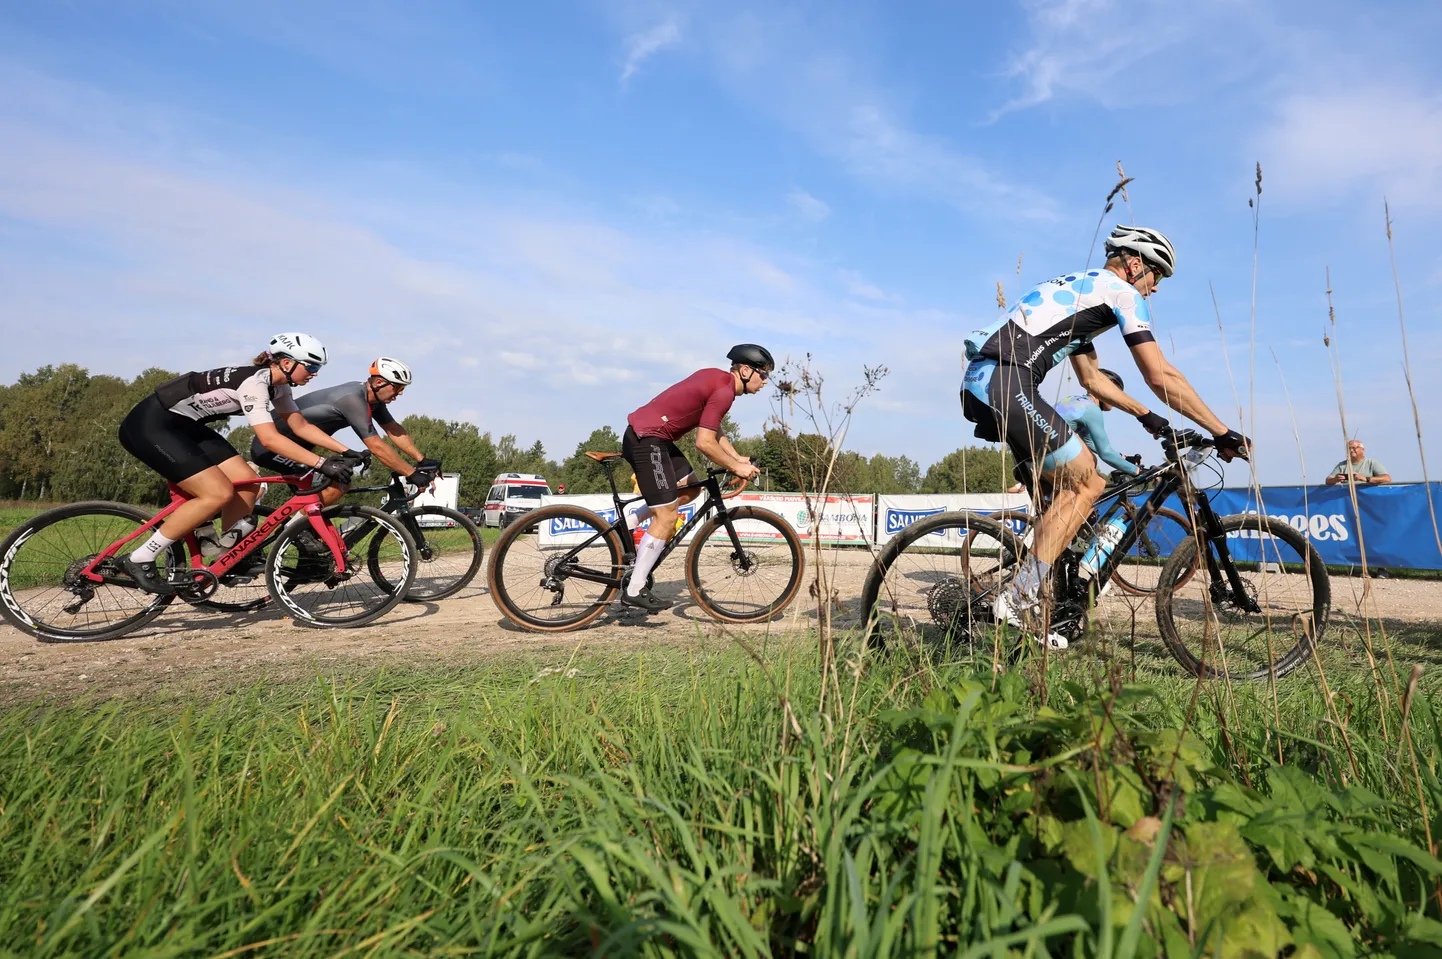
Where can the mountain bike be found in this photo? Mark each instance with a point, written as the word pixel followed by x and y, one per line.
pixel 60 577
pixel 559 567
pixel 1246 596
pixel 448 549
pixel 1138 571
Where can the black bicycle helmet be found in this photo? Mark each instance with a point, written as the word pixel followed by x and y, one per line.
pixel 756 357
pixel 1117 380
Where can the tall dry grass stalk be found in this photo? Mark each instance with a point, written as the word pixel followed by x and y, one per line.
pixel 1407 373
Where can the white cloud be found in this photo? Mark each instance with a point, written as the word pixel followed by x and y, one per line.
pixel 642 45
pixel 1389 140
pixel 858 285
pixel 807 206
pixel 521 361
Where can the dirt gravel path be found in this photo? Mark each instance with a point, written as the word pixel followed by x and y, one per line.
pixel 189 652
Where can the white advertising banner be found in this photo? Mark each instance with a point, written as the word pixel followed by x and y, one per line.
pixel 843 520
pixel 895 513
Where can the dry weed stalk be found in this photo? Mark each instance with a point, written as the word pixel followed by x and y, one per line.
pixel 801 390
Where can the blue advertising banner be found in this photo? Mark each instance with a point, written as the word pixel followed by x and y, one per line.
pixel 1395 522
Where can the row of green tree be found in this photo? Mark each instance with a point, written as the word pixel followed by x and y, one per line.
pixel 58 442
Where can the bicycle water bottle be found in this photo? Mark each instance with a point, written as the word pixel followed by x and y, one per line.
pixel 1107 540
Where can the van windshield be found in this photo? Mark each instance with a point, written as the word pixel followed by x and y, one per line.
pixel 525 492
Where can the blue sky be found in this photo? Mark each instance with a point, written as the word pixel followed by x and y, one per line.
pixel 552 210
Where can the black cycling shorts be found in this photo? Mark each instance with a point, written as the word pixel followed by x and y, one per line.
pixel 1014 411
pixel 177 447
pixel 659 464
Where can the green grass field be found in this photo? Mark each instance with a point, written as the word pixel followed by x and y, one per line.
pixel 695 803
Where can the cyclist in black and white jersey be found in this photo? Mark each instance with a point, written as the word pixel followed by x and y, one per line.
pixel 360 405
pixel 1055 321
pixel 167 431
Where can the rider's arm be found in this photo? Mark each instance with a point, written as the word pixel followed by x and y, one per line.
pixel 402 439
pixel 277 442
pixel 388 456
pixel 1094 433
pixel 1172 387
pixel 1089 374
pixel 718 449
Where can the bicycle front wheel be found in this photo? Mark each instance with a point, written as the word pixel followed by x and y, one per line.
pixel 303 574
pixel 934 583
pixel 1271 628
pixel 449 552
pixel 1140 570
pixel 41 590
pixel 752 584
pixel 556 568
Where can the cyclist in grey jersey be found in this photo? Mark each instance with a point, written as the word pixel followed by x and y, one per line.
pixel 360 405
pixel 1055 321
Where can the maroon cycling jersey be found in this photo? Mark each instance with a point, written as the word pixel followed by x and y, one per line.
pixel 701 399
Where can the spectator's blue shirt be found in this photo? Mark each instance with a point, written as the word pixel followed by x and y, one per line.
pixel 1084 416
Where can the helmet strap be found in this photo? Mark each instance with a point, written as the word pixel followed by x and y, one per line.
pixel 293 364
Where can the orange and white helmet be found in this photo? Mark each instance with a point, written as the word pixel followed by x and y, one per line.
pixel 391 370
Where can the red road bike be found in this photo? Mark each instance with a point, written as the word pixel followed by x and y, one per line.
pixel 60 576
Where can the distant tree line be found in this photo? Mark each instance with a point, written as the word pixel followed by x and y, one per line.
pixel 58 443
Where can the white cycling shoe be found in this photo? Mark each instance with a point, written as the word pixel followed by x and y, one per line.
pixel 1006 609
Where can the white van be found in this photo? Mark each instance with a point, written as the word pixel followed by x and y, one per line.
pixel 513 494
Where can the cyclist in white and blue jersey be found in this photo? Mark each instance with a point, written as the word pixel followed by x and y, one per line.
pixel 1083 413
pixel 1055 321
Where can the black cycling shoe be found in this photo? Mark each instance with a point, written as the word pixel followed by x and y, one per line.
pixel 648 601
pixel 146 576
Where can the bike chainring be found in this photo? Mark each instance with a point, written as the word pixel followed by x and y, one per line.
pixel 194 585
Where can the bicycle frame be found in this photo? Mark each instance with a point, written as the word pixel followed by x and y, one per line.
pixel 712 502
pixel 1172 478
pixel 307 499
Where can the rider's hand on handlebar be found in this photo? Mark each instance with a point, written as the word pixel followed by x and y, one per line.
pixel 1231 445
pixel 1154 424
pixel 422 476
pixel 337 467
pixel 749 472
pixel 1135 459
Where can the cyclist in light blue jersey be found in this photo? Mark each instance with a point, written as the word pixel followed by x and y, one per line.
pixel 1083 413
pixel 1001 394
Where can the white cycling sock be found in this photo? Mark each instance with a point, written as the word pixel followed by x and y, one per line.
pixel 1029 577
pixel 153 547
pixel 646 555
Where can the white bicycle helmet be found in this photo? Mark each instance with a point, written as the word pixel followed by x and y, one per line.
pixel 391 370
pixel 301 347
pixel 1154 248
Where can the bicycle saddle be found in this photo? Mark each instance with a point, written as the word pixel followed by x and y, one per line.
pixel 602 457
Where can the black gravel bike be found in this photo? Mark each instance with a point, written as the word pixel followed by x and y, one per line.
pixel 1218 614
pixel 560 566
pixel 448 544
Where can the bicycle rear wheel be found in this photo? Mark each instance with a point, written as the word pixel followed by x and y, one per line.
pixel 41 591
pixel 449 552
pixel 934 583
pixel 753 584
pixel 303 575
pixel 1212 634
pixel 534 567
pixel 1140 570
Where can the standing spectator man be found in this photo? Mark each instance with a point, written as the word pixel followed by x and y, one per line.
pixel 1365 471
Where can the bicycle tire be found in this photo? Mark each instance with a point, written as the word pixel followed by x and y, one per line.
pixel 766 555
pixel 292 569
pixel 22 601
pixel 431 583
pixel 516 560
pixel 937 606
pixel 1307 624
pixel 1127 580
pixel 1006 517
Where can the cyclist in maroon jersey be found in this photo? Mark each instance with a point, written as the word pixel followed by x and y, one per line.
pixel 698 402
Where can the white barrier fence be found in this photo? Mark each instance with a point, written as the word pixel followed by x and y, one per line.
pixel 895 513
pixel 844 520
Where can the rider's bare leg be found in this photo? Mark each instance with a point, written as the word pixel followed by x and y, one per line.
pixel 1075 487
